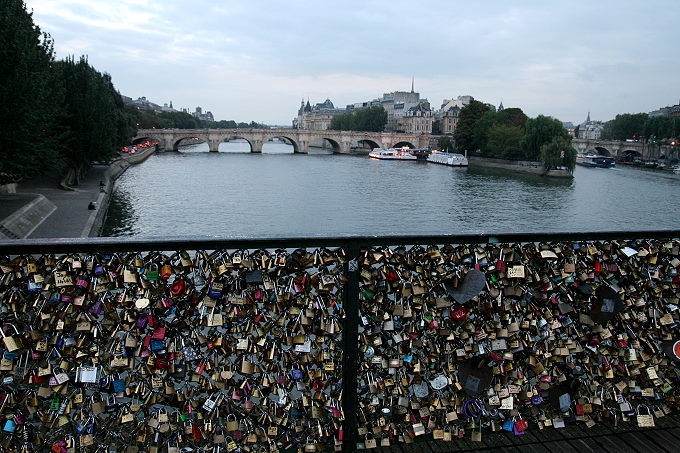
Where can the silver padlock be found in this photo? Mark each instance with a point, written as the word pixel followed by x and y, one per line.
pixel 87 374
pixel 212 401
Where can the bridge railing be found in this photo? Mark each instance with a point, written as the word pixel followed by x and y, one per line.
pixel 346 342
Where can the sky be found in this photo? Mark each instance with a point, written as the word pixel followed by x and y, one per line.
pixel 256 60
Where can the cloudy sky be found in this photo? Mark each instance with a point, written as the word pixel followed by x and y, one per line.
pixel 255 60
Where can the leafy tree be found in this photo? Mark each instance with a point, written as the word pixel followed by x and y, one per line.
pixel 481 132
pixel 539 131
pixel 512 116
pixel 464 133
pixel 625 126
pixel 29 94
pixel 372 119
pixel 661 127
pixel 445 143
pixel 558 152
pixel 505 127
pixel 96 122
pixel 504 140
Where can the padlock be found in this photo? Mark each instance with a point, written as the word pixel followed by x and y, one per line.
pixel 87 374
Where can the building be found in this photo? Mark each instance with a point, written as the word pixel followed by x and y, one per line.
pixel 672 111
pixel 397 105
pixel 449 113
pixel 417 119
pixel 142 103
pixel 590 130
pixel 317 118
pixel 207 116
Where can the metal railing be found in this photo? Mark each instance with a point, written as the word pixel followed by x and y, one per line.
pixel 287 342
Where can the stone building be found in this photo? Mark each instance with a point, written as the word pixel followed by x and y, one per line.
pixel 449 113
pixel 397 105
pixel 417 120
pixel 317 118
pixel 590 130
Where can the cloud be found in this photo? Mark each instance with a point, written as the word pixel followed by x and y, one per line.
pixel 257 59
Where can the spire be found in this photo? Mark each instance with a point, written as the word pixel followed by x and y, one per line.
pixel 588 119
pixel 412 80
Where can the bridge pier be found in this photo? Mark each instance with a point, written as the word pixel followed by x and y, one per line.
pixel 301 139
pixel 256 146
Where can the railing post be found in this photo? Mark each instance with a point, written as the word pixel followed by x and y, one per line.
pixel 350 333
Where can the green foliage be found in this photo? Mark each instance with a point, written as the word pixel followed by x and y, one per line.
pixel 464 135
pixel 539 131
pixel 503 141
pixel 372 119
pixel 625 126
pixel 445 143
pixel 96 123
pixel 29 94
pixel 662 127
pixel 558 152
pixel 497 132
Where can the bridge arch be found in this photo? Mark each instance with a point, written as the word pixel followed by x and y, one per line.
pixel 401 144
pixel 344 142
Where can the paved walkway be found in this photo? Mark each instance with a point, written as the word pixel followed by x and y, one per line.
pixel 72 217
pixel 575 438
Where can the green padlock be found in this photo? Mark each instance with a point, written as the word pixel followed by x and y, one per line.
pixel 55 403
pixel 152 272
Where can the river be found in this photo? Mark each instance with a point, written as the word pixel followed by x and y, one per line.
pixel 279 194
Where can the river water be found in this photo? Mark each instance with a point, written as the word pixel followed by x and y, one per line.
pixel 278 194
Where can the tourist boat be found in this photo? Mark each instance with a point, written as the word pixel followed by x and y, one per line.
pixel 450 159
pixel 593 160
pixel 392 154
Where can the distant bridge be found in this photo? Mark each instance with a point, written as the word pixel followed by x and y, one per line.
pixel 621 149
pixel 342 142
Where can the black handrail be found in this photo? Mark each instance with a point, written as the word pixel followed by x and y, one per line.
pixel 133 244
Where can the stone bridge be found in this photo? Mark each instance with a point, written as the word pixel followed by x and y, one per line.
pixel 342 142
pixel 622 149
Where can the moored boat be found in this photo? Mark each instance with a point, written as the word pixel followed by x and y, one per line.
pixel 450 159
pixel 392 154
pixel 593 160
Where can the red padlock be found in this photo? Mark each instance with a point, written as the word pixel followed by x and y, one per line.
pixel 459 314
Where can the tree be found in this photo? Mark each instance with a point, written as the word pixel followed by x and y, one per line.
pixel 626 126
pixel 445 143
pixel 661 127
pixel 29 94
pixel 503 141
pixel 558 152
pixel 464 133
pixel 539 131
pixel 96 121
pixel 506 127
pixel 372 119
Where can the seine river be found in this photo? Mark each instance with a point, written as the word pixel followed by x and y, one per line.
pixel 277 194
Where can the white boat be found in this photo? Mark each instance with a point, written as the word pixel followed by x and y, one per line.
pixel 392 154
pixel 450 159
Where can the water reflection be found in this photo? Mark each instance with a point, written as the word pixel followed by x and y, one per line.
pixel 278 194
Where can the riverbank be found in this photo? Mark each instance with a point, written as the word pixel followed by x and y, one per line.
pixel 48 207
pixel 534 168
